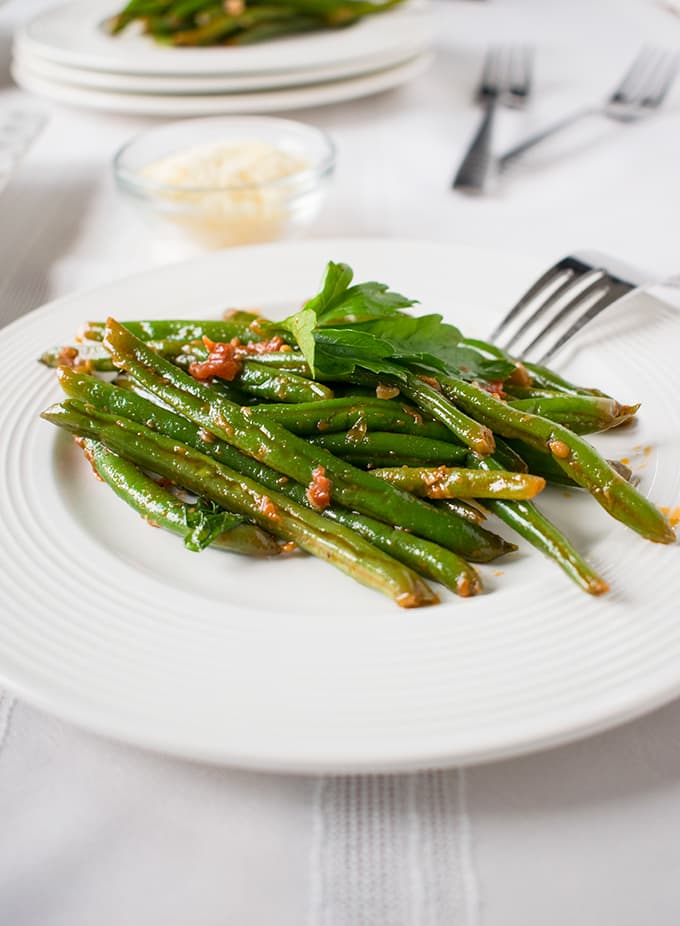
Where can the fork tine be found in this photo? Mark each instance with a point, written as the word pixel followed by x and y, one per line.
pixel 583 283
pixel 490 71
pixel 632 76
pixel 599 282
pixel 543 307
pixel 550 286
pixel 650 80
pixel 613 293
pixel 666 74
pixel 543 282
pixel 520 66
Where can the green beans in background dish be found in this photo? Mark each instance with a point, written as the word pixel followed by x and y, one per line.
pixel 195 23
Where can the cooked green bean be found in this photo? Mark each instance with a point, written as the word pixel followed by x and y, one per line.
pixel 272 511
pixel 386 445
pixel 426 557
pixel 451 482
pixel 525 518
pixel 573 454
pixel 351 412
pixel 199 525
pixel 581 414
pixel 292 455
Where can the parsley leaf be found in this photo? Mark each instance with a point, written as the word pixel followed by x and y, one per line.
pixel 301 326
pixel 339 303
pixel 205 521
pixel 339 351
pixel 345 327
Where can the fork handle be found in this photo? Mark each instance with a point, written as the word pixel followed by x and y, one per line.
pixel 474 171
pixel 513 153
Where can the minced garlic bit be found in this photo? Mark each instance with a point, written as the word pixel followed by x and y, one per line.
pixel 230 197
pixel 319 489
pixel 289 546
pixel 559 449
pixel 386 392
pixel 673 515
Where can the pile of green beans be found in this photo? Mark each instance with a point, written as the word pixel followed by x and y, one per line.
pixel 239 22
pixel 388 481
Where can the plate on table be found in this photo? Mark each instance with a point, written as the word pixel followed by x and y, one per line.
pixel 204 84
pixel 266 101
pixel 73 34
pixel 289 665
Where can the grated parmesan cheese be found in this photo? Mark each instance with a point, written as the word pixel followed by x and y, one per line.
pixel 230 195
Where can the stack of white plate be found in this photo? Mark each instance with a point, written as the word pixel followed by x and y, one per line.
pixel 66 54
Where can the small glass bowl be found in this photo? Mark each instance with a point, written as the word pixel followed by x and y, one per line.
pixel 234 214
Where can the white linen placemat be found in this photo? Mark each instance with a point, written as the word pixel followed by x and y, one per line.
pixel 392 851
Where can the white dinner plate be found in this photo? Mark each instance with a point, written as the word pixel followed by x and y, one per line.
pixel 288 664
pixel 188 85
pixel 73 34
pixel 270 101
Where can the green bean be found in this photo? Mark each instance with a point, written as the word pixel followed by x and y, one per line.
pixel 183 330
pixel 426 557
pixel 573 454
pixel 380 462
pixel 343 414
pixel 541 376
pixel 386 444
pixel 449 482
pixel 211 23
pixel 274 512
pixel 97 360
pixel 540 462
pixel 581 414
pixel 464 509
pixel 293 456
pixel 223 26
pixel 525 518
pixel 429 398
pixel 267 383
pixel 199 525
pixel 262 32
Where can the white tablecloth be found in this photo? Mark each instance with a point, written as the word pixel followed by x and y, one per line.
pixel 95 832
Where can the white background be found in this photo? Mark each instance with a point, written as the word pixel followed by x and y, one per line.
pixel 96 832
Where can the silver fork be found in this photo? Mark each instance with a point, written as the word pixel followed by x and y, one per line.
pixel 642 90
pixel 505 80
pixel 558 305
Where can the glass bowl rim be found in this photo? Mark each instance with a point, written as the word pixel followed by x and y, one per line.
pixel 137 183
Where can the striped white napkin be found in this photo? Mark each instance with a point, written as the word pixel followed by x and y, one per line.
pixel 392 851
